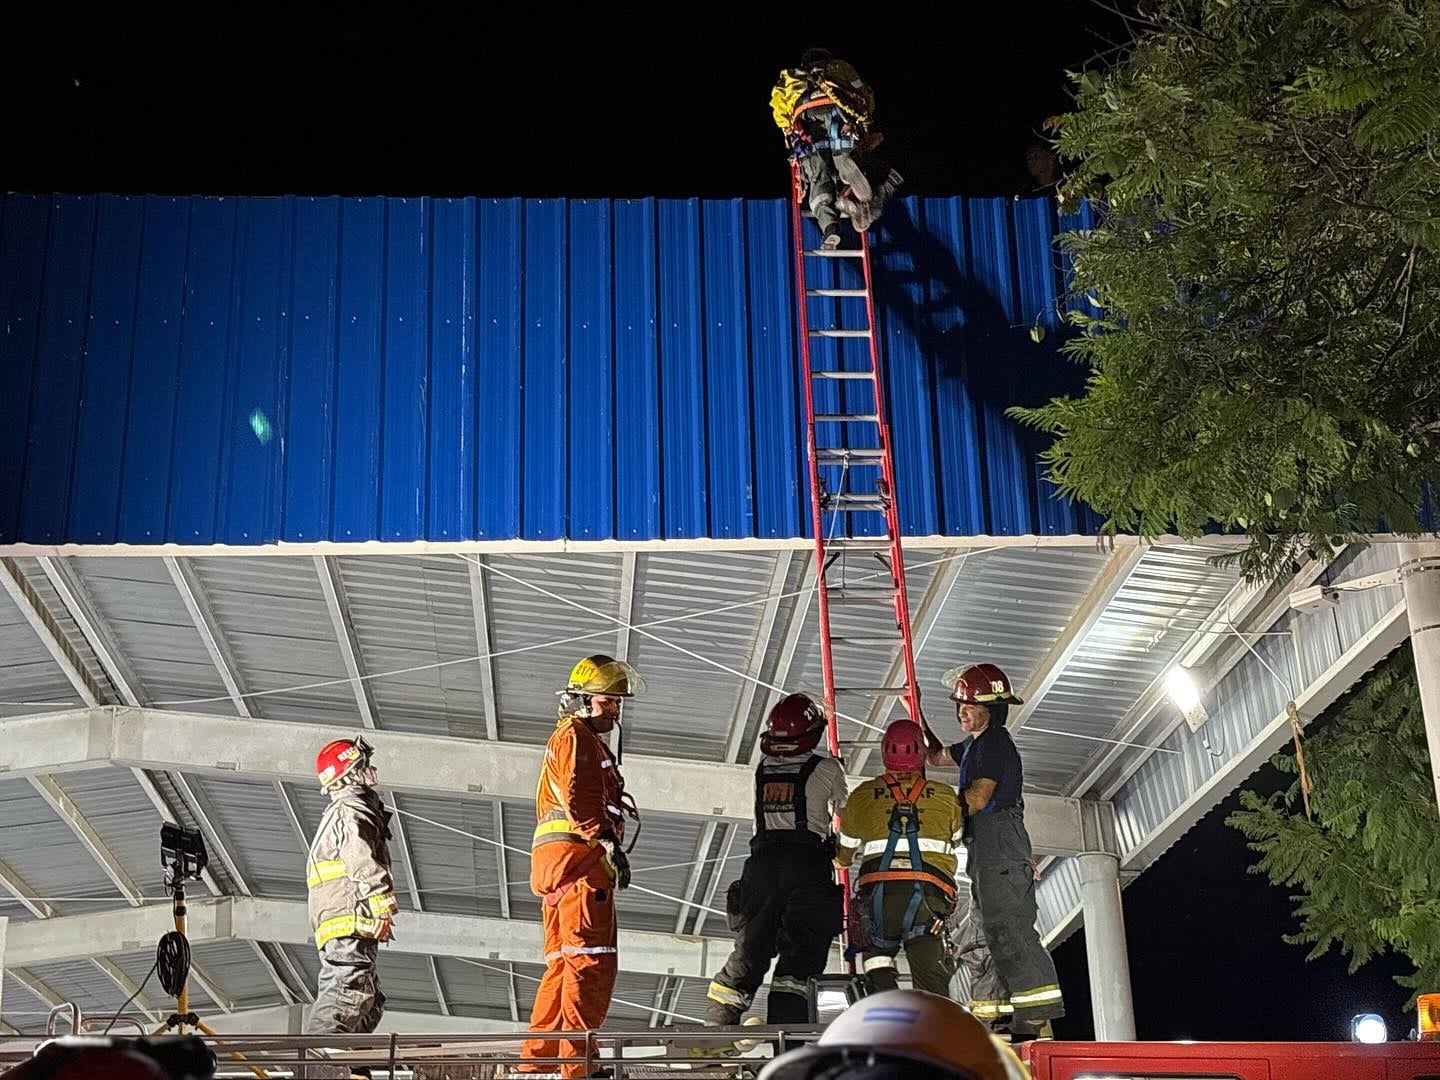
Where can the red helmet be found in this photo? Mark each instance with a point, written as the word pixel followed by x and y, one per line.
pixel 340 758
pixel 794 726
pixel 980 684
pixel 903 747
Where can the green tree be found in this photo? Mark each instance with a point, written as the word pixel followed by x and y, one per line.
pixel 1258 301
pixel 1367 865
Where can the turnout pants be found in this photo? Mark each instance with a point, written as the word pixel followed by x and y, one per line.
pixel 785 903
pixel 580 957
pixel 930 965
pixel 829 166
pixel 348 1000
pixel 1014 975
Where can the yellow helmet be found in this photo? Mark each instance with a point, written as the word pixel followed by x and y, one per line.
pixel 601 674
pixel 910 1029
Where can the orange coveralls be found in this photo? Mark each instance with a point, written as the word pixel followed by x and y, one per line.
pixel 578 799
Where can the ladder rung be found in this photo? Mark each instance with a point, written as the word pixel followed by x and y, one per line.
pixel 840 453
pixel 840 333
pixel 842 375
pixel 865 640
pixel 858 592
pixel 836 253
pixel 853 506
pixel 893 691
pixel 846 418
pixel 858 543
pixel 836 292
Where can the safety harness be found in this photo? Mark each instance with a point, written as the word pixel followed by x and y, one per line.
pixel 904 825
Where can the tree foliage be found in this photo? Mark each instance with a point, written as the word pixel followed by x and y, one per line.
pixel 1367 866
pixel 1258 301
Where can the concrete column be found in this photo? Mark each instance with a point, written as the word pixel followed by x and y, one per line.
pixel 1420 572
pixel 1105 951
pixel 4 924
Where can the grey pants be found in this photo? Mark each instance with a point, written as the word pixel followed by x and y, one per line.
pixel 1009 968
pixel 821 170
pixel 348 1000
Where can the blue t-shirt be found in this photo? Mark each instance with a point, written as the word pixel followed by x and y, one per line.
pixel 992 756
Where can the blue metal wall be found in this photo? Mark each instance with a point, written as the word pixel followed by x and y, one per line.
pixel 244 371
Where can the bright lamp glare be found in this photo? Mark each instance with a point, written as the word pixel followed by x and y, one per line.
pixel 1368 1028
pixel 1182 689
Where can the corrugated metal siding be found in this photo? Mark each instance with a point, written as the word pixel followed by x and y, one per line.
pixel 247 371
pixel 1058 893
pixel 1251 696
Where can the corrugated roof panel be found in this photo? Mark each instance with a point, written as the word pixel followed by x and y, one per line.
pixel 410 612
pixel 456 874
pixel 124 818
pixel 475 991
pixel 45 853
pixel 317 368
pixel 238 973
pixel 259 836
pixel 29 677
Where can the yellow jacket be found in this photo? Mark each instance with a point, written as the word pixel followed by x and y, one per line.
pixel 839 82
pixel 865 823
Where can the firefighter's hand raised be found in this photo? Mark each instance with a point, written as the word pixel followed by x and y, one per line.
pixel 619 860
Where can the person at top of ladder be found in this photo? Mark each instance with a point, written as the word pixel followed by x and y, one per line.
pixel 576 860
pixel 785 900
pixel 904 829
pixel 825 111
pixel 1012 977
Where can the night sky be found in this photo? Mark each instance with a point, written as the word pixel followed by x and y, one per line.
pixel 414 99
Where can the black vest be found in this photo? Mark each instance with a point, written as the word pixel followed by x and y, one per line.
pixel 783 792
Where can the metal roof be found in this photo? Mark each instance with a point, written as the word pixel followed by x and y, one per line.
pixel 258 370
pixel 436 642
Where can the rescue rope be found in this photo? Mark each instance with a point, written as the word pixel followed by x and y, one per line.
pixel 526 854
pixel 548 1035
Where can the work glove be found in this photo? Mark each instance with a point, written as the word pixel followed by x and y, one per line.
pixel 618 860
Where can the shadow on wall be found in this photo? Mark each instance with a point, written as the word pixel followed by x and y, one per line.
pixel 966 336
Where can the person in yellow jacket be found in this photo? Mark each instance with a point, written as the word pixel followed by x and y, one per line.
pixel 904 828
pixel 824 110
pixel 352 894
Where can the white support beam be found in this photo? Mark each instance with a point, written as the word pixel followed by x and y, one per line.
pixel 210 745
pixel 731 831
pixel 69 813
pixel 207 982
pixel 193 597
pixel 759 652
pixel 12 580
pixel 17 887
pixel 1111 579
pixel 627 605
pixel 129 988
pixel 484 646
pixel 76 600
pixel 35 985
pixel 287 922
pixel 334 590
pixel 502 882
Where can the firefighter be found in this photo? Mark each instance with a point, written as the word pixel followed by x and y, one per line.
pixel 824 109
pixel 352 893
pixel 785 901
pixel 577 861
pixel 901 1035
pixel 1012 977
pixel 904 828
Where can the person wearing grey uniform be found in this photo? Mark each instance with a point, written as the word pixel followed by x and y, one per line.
pixel 1012 977
pixel 352 897
pixel 785 901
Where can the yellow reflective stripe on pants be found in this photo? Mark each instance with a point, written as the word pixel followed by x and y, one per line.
pixel 728 995
pixel 991 1010
pixel 345 926
pixel 1038 996
pixel 788 984
pixel 581 950
pixel 327 870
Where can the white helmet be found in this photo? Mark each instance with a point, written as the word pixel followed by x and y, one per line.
pixel 905 1035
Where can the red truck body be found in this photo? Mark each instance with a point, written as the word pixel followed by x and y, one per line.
pixel 1232 1061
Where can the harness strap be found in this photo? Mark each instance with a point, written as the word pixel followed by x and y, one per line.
pixel 920 877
